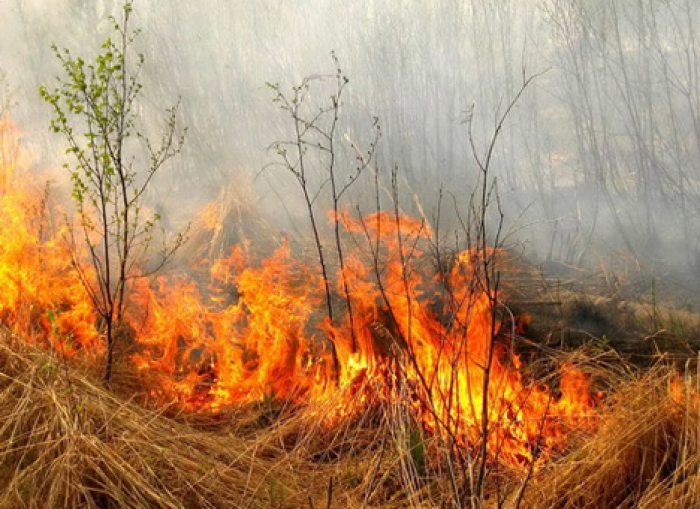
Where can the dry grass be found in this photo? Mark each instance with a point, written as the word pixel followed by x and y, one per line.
pixel 65 441
pixel 231 219
pixel 645 454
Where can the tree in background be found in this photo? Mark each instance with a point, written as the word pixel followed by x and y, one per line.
pixel 94 109
pixel 5 95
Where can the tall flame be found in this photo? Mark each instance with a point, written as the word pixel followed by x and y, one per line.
pixel 42 295
pixel 259 328
pixel 260 331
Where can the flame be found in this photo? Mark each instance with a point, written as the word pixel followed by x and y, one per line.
pixel 242 348
pixel 42 296
pixel 260 331
pixel 402 329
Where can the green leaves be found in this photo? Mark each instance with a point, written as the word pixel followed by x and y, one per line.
pixel 90 97
pixel 93 106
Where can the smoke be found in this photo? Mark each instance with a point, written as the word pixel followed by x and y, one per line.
pixel 597 161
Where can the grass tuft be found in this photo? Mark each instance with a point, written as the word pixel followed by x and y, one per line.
pixel 645 454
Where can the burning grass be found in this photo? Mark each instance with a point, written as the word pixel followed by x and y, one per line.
pixel 67 442
pixel 645 454
pixel 258 333
pixel 411 394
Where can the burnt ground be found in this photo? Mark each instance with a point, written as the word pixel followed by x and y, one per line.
pixel 641 316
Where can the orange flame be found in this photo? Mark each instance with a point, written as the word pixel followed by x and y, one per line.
pixel 402 329
pixel 260 331
pixel 42 296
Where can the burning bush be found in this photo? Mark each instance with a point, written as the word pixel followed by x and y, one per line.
pixel 257 332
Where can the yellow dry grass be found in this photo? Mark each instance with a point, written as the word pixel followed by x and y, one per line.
pixel 645 454
pixel 67 442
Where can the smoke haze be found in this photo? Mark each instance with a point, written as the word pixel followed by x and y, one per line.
pixel 597 163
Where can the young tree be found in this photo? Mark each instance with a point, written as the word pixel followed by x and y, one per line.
pixel 94 109
pixel 313 146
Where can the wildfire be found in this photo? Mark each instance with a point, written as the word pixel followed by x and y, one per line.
pixel 401 331
pixel 260 331
pixel 42 296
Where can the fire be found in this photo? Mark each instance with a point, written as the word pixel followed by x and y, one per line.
pixel 42 296
pixel 260 331
pixel 232 349
pixel 402 330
